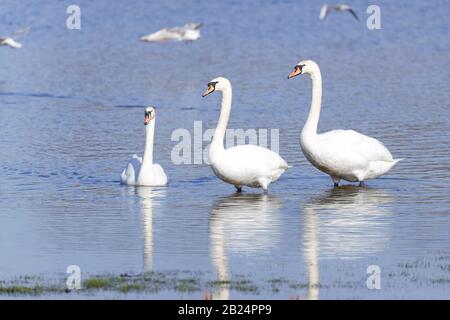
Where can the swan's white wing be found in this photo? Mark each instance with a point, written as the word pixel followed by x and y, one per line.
pixel 250 153
pixel 243 165
pixel 348 154
pixel 349 144
pixel 159 176
pixel 130 174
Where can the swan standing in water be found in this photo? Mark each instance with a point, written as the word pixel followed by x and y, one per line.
pixel 244 165
pixel 142 171
pixel 343 154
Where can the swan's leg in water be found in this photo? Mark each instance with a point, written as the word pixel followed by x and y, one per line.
pixel 335 181
pixel 238 189
pixel 264 183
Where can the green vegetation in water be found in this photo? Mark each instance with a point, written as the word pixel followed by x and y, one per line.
pixel 131 287
pixel 97 283
pixel 242 285
pixel 146 282
pixel 19 289
pixel 37 289
pixel 191 282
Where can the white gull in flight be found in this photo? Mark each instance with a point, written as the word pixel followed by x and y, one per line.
pixel 326 8
pixel 10 40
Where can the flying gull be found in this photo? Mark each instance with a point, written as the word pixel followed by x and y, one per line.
pixel 10 40
pixel 326 8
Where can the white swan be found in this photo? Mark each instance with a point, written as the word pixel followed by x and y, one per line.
pixel 142 171
pixel 188 32
pixel 244 165
pixel 343 154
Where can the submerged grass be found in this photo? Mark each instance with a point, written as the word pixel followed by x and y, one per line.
pixel 15 290
pixel 97 283
pixel 124 283
pixel 242 285
pixel 186 282
pixel 131 287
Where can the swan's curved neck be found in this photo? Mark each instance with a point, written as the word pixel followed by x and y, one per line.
pixel 316 102
pixel 148 151
pixel 219 134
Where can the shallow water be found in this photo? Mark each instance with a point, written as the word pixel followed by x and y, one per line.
pixel 71 109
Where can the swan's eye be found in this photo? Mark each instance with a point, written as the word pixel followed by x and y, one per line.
pixel 212 84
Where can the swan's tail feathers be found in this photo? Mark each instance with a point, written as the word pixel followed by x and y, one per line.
pixel 130 173
pixel 397 160
pixel 123 180
pixel 123 177
pixel 283 164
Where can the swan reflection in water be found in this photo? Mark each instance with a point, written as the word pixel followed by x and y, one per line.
pixel 243 224
pixel 347 223
pixel 150 198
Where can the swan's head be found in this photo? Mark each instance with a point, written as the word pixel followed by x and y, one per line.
pixel 304 66
pixel 217 84
pixel 149 115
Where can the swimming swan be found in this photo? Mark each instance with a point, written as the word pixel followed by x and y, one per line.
pixel 142 171
pixel 343 154
pixel 244 165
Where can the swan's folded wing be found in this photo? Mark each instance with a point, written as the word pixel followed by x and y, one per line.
pixel 251 156
pixel 350 143
pixel 130 173
pixel 159 175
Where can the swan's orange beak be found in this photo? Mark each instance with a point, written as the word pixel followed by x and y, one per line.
pixel 147 119
pixel 208 91
pixel 296 72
